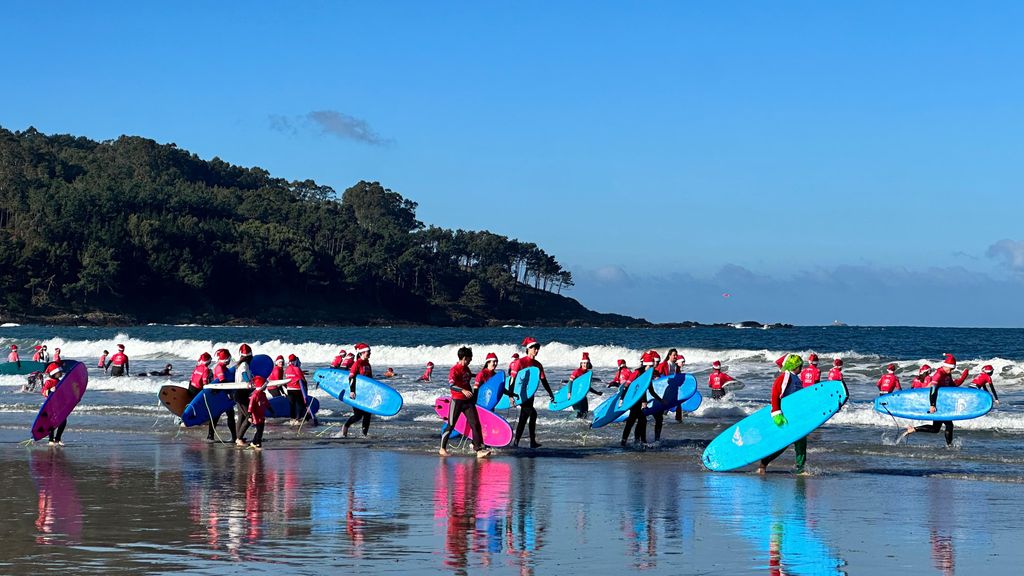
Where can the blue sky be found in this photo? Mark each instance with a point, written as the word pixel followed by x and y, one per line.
pixel 816 161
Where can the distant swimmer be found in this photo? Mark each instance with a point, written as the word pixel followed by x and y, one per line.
pixel 836 373
pixel 103 360
pixel 463 390
pixel 361 367
pixel 810 375
pixel 389 373
pixel 888 382
pixel 943 378
pixel 54 373
pixel 923 378
pixel 426 373
pixel 528 414
pixel 339 359
pixel 622 374
pixel 984 382
pixel 118 363
pixel 717 380
pixel 786 383
pixel 167 371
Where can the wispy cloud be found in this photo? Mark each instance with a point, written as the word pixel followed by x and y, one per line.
pixel 330 123
pixel 1010 252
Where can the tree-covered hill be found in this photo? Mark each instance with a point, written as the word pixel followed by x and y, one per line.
pixel 131 230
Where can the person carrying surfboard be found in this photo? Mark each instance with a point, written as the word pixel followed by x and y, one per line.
pixel 118 363
pixel 297 387
pixel 241 396
pixel 583 406
pixel 528 414
pixel 622 374
pixel 786 383
pixel 984 382
pixel 810 375
pixel 923 378
pixel 360 367
pixel 888 382
pixel 636 411
pixel 201 376
pixel 717 380
pixel 221 374
pixel 673 364
pixel 942 378
pixel 54 372
pixel 463 390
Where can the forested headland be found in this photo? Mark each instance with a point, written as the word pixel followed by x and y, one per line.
pixel 132 231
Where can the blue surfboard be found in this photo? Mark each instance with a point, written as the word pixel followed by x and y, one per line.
pixel 261 365
pixel 950 404
pixel 371 396
pixel 693 403
pixel 527 381
pixel 579 388
pixel 281 407
pixel 622 401
pixel 674 390
pixel 757 436
pixel 207 402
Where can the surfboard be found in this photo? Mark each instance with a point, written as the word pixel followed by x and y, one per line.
pixel 206 402
pixel 371 396
pixel 62 399
pixel 242 385
pixel 496 430
pixel 757 436
pixel 733 386
pixel 952 403
pixel 261 365
pixel 527 381
pixel 27 367
pixel 674 390
pixel 174 398
pixel 579 388
pixel 693 403
pixel 281 408
pixel 622 401
pixel 489 393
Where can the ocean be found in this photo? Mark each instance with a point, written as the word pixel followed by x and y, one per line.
pixel 134 492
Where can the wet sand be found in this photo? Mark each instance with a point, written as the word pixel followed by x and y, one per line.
pixel 114 503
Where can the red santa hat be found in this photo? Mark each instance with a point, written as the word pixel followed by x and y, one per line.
pixel 655 354
pixel 813 358
pixel 120 347
pixel 430 364
pixel 890 368
pixel 205 357
pixel 924 368
pixel 279 359
pixel 647 359
pixel 837 362
pixel 781 360
pixel 14 346
pixel 38 347
pixel 259 382
pixel 621 362
pixel 490 356
pixel 244 350
pixel 948 361
pixel 362 347
pixel 342 353
pixel 223 355
pixel 515 356
pixel 292 358
pixel 988 369
pixel 585 358
pixel 530 342
pixel 54 369
pixel 716 365
pixel 680 359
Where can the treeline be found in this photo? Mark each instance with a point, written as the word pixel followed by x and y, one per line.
pixel 154 232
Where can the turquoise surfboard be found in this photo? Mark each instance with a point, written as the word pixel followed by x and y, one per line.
pixel 489 393
pixel 693 403
pixel 371 396
pixel 622 401
pixel 527 381
pixel 579 388
pixel 950 404
pixel 757 436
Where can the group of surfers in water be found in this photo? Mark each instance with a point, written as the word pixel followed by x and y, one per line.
pixel 463 385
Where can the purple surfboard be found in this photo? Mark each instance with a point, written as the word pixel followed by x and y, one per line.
pixel 62 400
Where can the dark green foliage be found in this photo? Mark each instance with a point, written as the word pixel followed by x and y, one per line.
pixel 154 233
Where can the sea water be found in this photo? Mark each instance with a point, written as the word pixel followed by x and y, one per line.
pixel 134 492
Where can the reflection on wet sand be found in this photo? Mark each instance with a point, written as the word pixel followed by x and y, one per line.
pixel 59 520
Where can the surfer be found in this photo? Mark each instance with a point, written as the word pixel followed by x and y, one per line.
pixel 463 390
pixel 220 374
pixel 582 407
pixel 425 377
pixel 297 387
pixel 717 380
pixel 836 373
pixel 360 367
pixel 670 367
pixel 942 378
pixel 622 374
pixel 257 410
pixel 103 360
pixel 13 356
pixel 636 411
pixel 38 356
pixel 339 359
pixel 528 414
pixel 786 383
pixel 241 397
pixel 165 372
pixel 810 375
pixel 389 373
pixel 277 373
pixel 201 376
pixel 923 378
pixel 984 382
pixel 350 359
pixel 118 363
pixel 54 373
pixel 888 382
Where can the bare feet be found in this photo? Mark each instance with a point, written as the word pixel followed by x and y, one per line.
pixel 483 453
pixel 442 452
pixel 762 470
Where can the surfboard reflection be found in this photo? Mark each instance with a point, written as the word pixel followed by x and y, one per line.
pixel 473 499
pixel 59 518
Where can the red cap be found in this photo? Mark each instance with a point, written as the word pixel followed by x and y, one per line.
pixel 529 342
pixel 244 350
pixel 837 362
pixel 621 362
pixel 924 368
pixel 292 358
pixel 586 357
pixel 988 369
pixel 781 360
pixel 949 361
pixel 491 356
pixel 223 355
pixel 120 347
pixel 716 365
pixel 891 367
pixel 812 358
pixel 647 358
pixel 362 347
pixel 205 357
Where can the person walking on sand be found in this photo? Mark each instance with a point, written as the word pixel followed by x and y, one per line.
pixel 888 382
pixel 943 378
pixel 297 387
pixel 54 372
pixel 636 411
pixel 786 383
pixel 257 410
pixel 463 390
pixel 277 373
pixel 241 397
pixel 717 380
pixel 810 375
pixel 528 414
pixel 221 374
pixel 118 363
pixel 360 367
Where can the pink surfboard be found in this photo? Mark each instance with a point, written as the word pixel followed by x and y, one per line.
pixel 62 400
pixel 497 431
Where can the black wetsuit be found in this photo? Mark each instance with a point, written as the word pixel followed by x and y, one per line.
pixel 527 413
pixel 468 408
pixel 60 431
pixel 933 394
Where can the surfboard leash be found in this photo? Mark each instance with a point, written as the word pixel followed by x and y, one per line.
pixel 210 414
pixel 895 423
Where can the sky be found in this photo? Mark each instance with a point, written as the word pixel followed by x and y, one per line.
pixel 796 162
